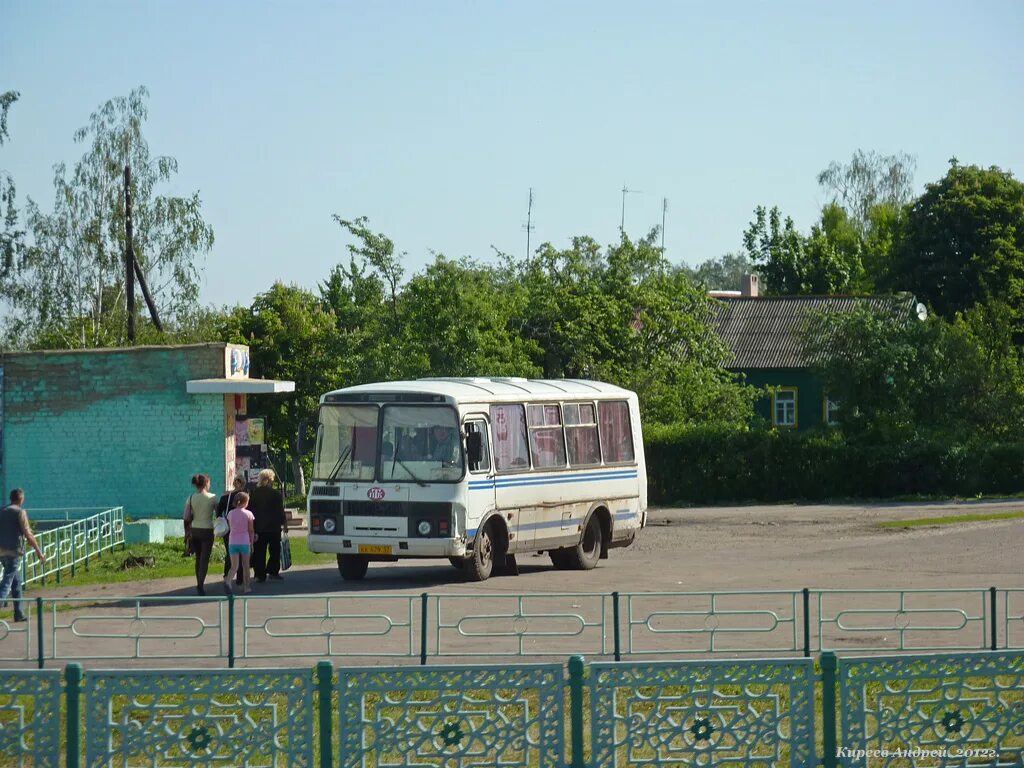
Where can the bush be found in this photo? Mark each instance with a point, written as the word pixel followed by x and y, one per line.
pixel 721 464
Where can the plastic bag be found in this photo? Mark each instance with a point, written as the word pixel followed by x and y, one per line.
pixel 286 554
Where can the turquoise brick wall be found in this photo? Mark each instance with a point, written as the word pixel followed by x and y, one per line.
pixel 112 427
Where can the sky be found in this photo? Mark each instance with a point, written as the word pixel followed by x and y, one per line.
pixel 434 119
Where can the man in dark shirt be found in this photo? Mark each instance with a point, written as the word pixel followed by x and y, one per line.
pixel 13 529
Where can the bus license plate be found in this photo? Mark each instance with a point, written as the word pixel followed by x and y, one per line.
pixel 374 549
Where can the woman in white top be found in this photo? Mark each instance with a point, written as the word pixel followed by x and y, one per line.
pixel 199 511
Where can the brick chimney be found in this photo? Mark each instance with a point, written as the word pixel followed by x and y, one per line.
pixel 749 285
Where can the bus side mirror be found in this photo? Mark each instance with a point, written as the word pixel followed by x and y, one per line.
pixel 307 437
pixel 474 448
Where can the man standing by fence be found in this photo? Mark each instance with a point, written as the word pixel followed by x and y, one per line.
pixel 13 528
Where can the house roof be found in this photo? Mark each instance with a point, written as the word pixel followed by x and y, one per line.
pixel 765 331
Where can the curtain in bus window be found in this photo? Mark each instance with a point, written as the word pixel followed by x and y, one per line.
pixel 508 431
pixel 364 444
pixel 583 445
pixel 616 436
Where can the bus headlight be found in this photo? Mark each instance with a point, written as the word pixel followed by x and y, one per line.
pixel 330 525
pixel 424 527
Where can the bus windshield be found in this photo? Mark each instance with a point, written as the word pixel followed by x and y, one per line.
pixel 346 446
pixel 420 442
pixel 417 443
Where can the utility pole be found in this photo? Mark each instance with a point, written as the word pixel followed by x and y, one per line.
pixel 664 210
pixel 129 255
pixel 625 191
pixel 131 265
pixel 529 226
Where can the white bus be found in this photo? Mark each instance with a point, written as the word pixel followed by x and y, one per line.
pixel 477 470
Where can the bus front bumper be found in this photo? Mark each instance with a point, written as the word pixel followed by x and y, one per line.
pixel 386 549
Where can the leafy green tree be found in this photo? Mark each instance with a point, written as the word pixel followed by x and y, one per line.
pixel 897 377
pixel 724 273
pixel 11 236
pixel 290 335
pixel 70 284
pixel 869 180
pixel 793 264
pixel 963 242
pixel 622 316
pixel 458 319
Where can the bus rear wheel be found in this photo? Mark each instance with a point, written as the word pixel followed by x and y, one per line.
pixel 479 566
pixel 352 567
pixel 584 556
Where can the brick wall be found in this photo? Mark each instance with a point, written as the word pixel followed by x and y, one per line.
pixel 112 427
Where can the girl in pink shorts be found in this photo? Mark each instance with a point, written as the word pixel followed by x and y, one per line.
pixel 241 538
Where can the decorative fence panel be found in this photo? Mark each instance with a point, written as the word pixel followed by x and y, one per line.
pixel 16 637
pixel 521 625
pixel 254 718
pixel 452 717
pixel 742 713
pixel 30 718
pixel 905 620
pixel 946 709
pixel 711 622
pixel 343 625
pixel 1013 619
pixel 142 628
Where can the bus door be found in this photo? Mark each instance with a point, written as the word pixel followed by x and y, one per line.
pixel 480 500
pixel 513 495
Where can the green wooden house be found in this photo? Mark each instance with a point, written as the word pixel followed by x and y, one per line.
pixel 764 333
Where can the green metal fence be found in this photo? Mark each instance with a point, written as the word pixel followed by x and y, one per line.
pixel 73 545
pixel 911 710
pixel 428 627
pixel 947 709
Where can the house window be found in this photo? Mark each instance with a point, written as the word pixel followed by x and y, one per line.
pixel 831 412
pixel 784 407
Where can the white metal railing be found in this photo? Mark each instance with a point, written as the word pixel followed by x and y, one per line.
pixel 74 544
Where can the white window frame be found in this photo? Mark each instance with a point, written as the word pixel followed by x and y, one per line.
pixel 796 407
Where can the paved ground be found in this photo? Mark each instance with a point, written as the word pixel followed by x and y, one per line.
pixel 748 548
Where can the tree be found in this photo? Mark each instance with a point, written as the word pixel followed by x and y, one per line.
pixel 962 244
pixel 70 284
pixel 867 181
pixel 11 237
pixel 289 334
pixel 896 377
pixel 724 273
pixel 458 317
pixel 792 264
pixel 619 315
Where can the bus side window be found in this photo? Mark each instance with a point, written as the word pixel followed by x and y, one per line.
pixel 478 426
pixel 616 434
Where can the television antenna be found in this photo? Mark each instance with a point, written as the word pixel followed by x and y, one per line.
pixel 528 226
pixel 664 210
pixel 626 191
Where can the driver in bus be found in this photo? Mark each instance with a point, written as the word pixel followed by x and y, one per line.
pixel 446 447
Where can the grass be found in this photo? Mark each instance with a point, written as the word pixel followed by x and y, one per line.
pixel 168 562
pixel 952 519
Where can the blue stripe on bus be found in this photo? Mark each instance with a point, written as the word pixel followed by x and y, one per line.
pixel 515 482
pixel 559 523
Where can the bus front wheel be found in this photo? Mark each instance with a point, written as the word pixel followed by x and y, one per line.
pixel 584 556
pixel 479 566
pixel 352 567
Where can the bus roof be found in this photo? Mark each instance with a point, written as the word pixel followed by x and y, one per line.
pixel 502 388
